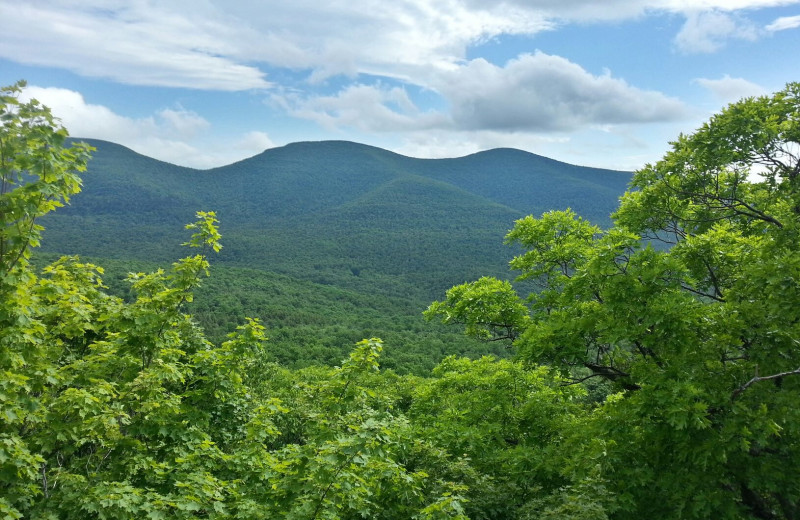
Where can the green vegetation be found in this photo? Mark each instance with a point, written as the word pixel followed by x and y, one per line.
pixel 700 341
pixel 650 383
pixel 326 243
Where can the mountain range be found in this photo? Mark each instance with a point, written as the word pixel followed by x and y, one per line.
pixel 328 215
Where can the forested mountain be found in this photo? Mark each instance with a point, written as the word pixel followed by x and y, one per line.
pixel 319 209
pixel 340 239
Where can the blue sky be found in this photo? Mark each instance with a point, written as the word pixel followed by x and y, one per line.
pixel 204 83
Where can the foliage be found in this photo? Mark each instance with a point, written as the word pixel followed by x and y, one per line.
pixel 699 339
pixel 37 173
pixel 310 323
pixel 328 242
pixel 489 308
pixel 501 425
pixel 652 382
pixel 122 409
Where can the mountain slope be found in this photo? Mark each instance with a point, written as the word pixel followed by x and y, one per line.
pixel 329 185
pixel 335 214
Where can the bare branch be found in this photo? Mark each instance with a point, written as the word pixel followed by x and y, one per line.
pixel 701 293
pixel 758 378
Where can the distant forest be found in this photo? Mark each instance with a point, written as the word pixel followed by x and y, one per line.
pixel 326 243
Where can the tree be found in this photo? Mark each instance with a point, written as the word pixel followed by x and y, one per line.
pixel 700 337
pixel 123 409
pixel 37 172
pixel 500 424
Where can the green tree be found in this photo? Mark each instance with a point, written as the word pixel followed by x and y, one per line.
pixel 123 409
pixel 347 450
pixel 500 425
pixel 37 172
pixel 700 338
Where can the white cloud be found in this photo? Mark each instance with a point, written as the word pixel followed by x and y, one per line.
pixel 216 44
pixel 373 108
pixel 446 143
pixel 784 23
pixel 686 6
pixel 185 123
pixel 580 10
pixel 533 93
pixel 89 120
pixel 373 36
pixel 254 142
pixel 540 92
pixel 172 135
pixel 728 89
pixel 135 43
pixel 608 10
pixel 709 31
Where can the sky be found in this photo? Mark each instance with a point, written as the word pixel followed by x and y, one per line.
pixel 205 83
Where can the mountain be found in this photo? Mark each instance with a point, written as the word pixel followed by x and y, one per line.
pixel 336 214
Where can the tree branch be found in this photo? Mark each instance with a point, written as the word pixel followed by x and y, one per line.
pixel 613 374
pixel 577 381
pixel 736 393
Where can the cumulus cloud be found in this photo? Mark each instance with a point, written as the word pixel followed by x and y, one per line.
pixel 784 23
pixel 579 10
pixel 540 92
pixel 533 93
pixel 183 122
pixel 174 135
pixel 724 5
pixel 90 120
pixel 254 142
pixel 709 31
pixel 374 108
pixel 609 10
pixel 728 89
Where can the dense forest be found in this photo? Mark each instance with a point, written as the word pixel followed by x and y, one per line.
pixel 655 367
pixel 325 242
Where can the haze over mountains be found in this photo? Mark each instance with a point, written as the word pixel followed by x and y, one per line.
pixel 340 222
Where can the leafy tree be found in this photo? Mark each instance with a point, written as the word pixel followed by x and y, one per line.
pixel 500 425
pixel 352 453
pixel 37 173
pixel 699 338
pixel 123 409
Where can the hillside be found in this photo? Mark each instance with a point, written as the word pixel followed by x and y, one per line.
pixel 362 220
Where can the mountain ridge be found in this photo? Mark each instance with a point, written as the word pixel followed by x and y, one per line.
pixel 315 186
pixel 354 144
pixel 378 234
